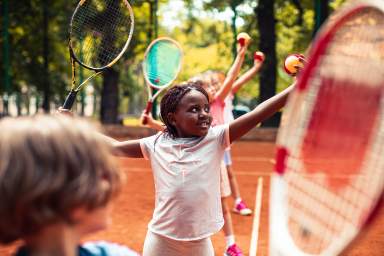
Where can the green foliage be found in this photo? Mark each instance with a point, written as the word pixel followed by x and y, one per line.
pixel 207 43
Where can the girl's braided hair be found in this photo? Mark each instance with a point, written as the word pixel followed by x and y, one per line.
pixel 171 100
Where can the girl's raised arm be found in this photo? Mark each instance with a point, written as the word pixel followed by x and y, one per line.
pixel 246 122
pixel 232 74
pixel 242 80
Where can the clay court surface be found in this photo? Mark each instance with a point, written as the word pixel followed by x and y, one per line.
pixel 133 209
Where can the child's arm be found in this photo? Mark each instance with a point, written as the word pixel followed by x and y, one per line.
pixel 247 75
pixel 130 148
pixel 232 74
pixel 246 122
pixel 153 123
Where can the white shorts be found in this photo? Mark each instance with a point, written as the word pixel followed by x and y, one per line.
pixel 157 245
pixel 225 188
pixel 227 157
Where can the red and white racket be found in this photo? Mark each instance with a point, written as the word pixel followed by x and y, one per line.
pixel 330 148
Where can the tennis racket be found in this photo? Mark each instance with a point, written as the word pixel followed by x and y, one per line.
pixel 329 162
pixel 100 32
pixel 161 65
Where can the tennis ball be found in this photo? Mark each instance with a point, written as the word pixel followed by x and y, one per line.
pixel 292 64
pixel 259 56
pixel 243 38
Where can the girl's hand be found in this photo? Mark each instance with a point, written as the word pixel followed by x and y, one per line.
pixel 148 117
pixel 243 39
pixel 63 111
pixel 258 58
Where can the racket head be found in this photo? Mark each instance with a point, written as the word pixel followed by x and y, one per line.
pixel 100 32
pixel 162 62
pixel 329 165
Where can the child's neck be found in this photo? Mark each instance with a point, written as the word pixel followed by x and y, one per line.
pixel 56 239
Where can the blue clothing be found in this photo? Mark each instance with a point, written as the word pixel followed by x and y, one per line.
pixel 99 248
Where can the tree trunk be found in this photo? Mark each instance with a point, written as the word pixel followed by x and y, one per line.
pixel 321 13
pixel 110 97
pixel 266 23
pixel 46 86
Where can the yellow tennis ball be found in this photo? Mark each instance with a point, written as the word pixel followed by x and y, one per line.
pixel 291 63
pixel 243 38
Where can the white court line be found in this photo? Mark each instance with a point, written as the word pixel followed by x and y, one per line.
pixel 256 218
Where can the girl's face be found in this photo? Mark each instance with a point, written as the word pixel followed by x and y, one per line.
pixel 218 80
pixel 211 91
pixel 192 117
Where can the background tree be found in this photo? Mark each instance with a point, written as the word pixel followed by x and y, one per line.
pixel 277 27
pixel 266 24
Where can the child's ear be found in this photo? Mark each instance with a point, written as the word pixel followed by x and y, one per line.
pixel 171 118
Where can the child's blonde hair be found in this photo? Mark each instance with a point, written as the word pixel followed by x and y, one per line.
pixel 49 166
pixel 213 78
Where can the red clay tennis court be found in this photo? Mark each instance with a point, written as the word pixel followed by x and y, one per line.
pixel 251 160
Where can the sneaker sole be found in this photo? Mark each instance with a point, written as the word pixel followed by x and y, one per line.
pixel 242 213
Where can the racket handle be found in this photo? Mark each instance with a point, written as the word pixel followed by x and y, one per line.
pixel 68 103
pixel 146 112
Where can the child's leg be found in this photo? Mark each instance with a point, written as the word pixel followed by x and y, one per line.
pixel 232 179
pixel 157 245
pixel 228 228
pixel 231 247
pixel 240 206
pixel 233 183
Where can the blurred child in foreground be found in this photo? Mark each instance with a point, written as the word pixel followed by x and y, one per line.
pixel 57 180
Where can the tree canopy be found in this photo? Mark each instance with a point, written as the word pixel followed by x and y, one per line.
pixel 206 37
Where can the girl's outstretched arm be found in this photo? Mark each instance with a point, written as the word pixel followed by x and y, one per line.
pixel 232 74
pixel 129 148
pixel 246 122
pixel 247 75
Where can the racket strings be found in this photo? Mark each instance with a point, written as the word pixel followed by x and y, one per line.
pixel 100 31
pixel 162 63
pixel 358 49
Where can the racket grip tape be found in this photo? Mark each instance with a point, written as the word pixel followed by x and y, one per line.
pixel 68 103
pixel 146 112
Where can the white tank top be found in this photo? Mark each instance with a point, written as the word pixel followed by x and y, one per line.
pixel 187 183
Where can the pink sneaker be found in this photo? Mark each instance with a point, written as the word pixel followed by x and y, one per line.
pixel 242 209
pixel 233 250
